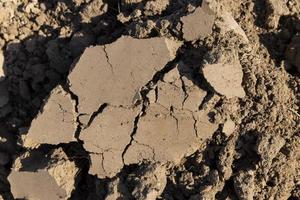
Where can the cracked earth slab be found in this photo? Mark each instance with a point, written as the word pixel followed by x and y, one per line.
pixel 167 129
pixel 164 138
pixel 116 73
pixel 119 126
pixel 171 127
pixel 56 123
pixel 107 138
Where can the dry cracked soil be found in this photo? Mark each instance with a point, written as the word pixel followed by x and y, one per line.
pixel 149 99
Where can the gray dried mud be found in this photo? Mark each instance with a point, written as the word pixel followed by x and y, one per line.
pixel 155 99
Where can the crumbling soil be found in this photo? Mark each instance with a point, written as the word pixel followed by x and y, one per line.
pixel 149 99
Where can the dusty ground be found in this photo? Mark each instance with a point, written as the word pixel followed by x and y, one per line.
pixel 150 99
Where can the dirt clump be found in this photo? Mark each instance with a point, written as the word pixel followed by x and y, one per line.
pixel 117 190
pixel 173 112
pixel 93 9
pixel 35 175
pixel 228 127
pixel 275 9
pixel 224 73
pixel 155 7
pixel 227 23
pixel 150 183
pixel 244 185
pixel 130 142
pixel 193 28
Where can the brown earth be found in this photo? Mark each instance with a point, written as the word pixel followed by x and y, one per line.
pixel 150 99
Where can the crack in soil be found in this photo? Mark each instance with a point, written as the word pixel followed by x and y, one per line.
pixel 175 118
pixel 135 127
pixel 75 98
pixel 153 82
pixel 95 114
pixel 108 60
pixel 186 95
pixel 195 125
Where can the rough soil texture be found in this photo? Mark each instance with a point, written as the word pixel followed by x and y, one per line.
pixel 150 99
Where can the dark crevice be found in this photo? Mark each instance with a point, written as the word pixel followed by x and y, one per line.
pixel 206 99
pixel 278 41
pixel 184 91
pixel 95 114
pixel 102 162
pixel 195 125
pixel 135 127
pixel 228 191
pixel 260 12
pixel 245 145
pixel 108 60
pixel 75 98
pixel 160 74
pixel 175 118
pixel 156 94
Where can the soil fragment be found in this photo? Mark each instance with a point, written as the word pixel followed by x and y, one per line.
pixel 228 127
pixel 275 9
pixel 151 183
pixel 198 24
pixel 35 175
pixel 225 75
pixel 56 123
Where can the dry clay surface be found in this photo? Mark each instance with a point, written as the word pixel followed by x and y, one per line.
pixel 119 126
pixel 145 100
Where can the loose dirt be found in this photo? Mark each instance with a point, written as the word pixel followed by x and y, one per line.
pixel 154 99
